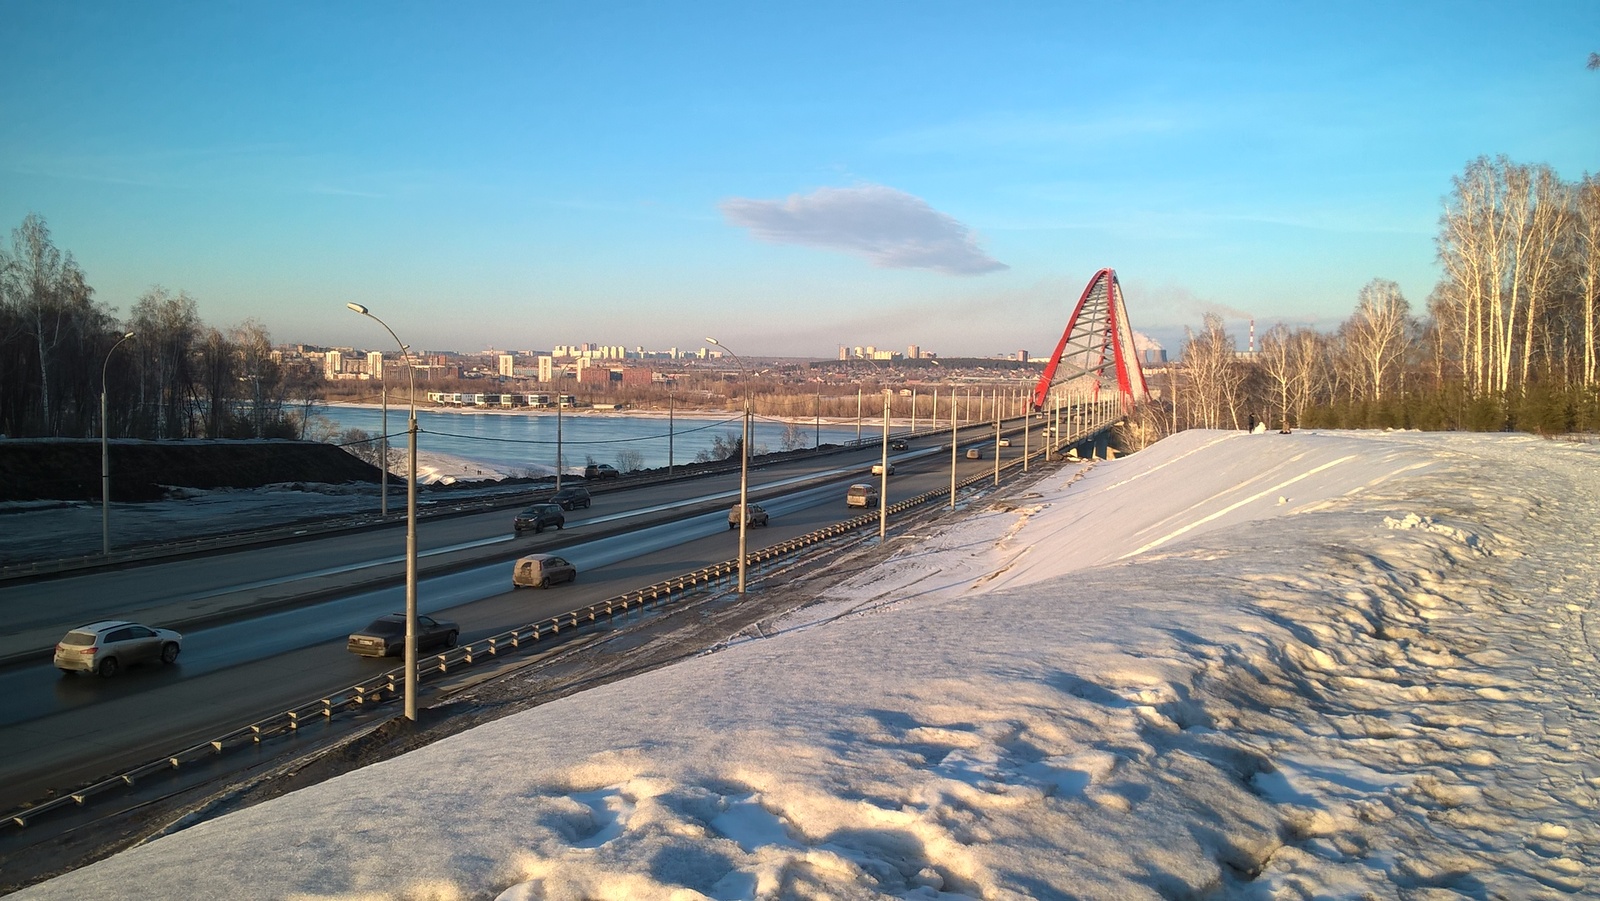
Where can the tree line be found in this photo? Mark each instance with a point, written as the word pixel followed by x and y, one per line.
pixel 1509 340
pixel 174 378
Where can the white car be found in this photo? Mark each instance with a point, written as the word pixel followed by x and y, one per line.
pixel 108 646
pixel 877 469
pixel 1005 442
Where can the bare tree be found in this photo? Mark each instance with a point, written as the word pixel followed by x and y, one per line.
pixel 168 326
pixel 215 368
pixel 1586 249
pixel 50 306
pixel 794 437
pixel 1213 376
pixel 1376 338
pixel 361 444
pixel 261 380
pixel 1292 362
pixel 629 460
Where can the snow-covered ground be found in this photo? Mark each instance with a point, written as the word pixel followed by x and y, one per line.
pixel 51 530
pixel 1323 665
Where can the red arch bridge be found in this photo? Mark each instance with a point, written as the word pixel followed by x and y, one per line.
pixel 1093 378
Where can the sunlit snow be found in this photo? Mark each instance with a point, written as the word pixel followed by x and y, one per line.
pixel 1320 665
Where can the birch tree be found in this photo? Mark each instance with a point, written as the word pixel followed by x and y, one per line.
pixel 1213 376
pixel 51 313
pixel 1376 338
pixel 1586 251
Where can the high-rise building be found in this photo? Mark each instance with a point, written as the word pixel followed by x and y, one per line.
pixel 913 352
pixel 508 365
pixel 375 364
pixel 332 364
pixel 547 368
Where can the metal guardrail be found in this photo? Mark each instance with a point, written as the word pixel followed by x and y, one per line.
pixel 388 686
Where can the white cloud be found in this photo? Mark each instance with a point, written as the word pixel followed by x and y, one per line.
pixel 893 229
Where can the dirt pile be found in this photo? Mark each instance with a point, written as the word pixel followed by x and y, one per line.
pixel 68 469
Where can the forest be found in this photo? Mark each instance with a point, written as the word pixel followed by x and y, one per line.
pixel 163 373
pixel 1507 340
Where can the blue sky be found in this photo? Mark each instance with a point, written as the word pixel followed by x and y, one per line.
pixel 785 177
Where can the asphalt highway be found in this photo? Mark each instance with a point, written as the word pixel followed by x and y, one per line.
pixel 257 645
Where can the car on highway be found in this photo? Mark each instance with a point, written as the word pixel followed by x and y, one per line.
pixel 877 468
pixel 600 471
pixel 1005 442
pixel 898 444
pixel 572 498
pixel 861 495
pixel 386 636
pixel 755 515
pixel 974 453
pixel 541 571
pixel 105 647
pixel 539 516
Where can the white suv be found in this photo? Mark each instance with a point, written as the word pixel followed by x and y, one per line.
pixel 106 647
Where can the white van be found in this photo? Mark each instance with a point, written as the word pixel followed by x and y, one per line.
pixel 861 495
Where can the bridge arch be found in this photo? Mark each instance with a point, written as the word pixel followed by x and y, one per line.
pixel 1096 353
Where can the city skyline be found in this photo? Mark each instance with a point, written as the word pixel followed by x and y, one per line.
pixel 933 175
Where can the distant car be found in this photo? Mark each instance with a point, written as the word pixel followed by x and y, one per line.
pixel 898 444
pixel 860 495
pixel 572 498
pixel 754 516
pixel 1005 442
pixel 541 571
pixel 974 453
pixel 537 517
pixel 386 636
pixel 108 646
pixel 877 469
pixel 600 471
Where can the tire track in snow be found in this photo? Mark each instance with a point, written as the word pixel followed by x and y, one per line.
pixel 1234 506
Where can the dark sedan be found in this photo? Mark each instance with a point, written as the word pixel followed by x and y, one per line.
pixel 386 636
pixel 539 516
pixel 572 498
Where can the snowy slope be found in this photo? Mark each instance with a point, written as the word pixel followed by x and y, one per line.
pixel 1323 665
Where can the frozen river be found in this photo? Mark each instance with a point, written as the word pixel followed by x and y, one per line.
pixel 525 442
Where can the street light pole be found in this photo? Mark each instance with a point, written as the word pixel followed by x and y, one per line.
pixel 411 520
pixel 105 453
pixel 883 488
pixel 744 466
pixel 383 446
pixel 997 438
pixel 953 424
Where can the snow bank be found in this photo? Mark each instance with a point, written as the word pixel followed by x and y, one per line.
pixel 1311 666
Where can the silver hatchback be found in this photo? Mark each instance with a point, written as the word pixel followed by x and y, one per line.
pixel 108 646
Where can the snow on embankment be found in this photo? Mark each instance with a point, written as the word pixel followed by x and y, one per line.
pixel 1317 665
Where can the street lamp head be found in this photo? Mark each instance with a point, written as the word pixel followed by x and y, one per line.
pixel 712 341
pixel 127 336
pixel 358 308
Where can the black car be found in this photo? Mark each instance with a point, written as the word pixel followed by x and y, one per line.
pixel 600 471
pixel 571 498
pixel 898 444
pixel 386 636
pixel 538 516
